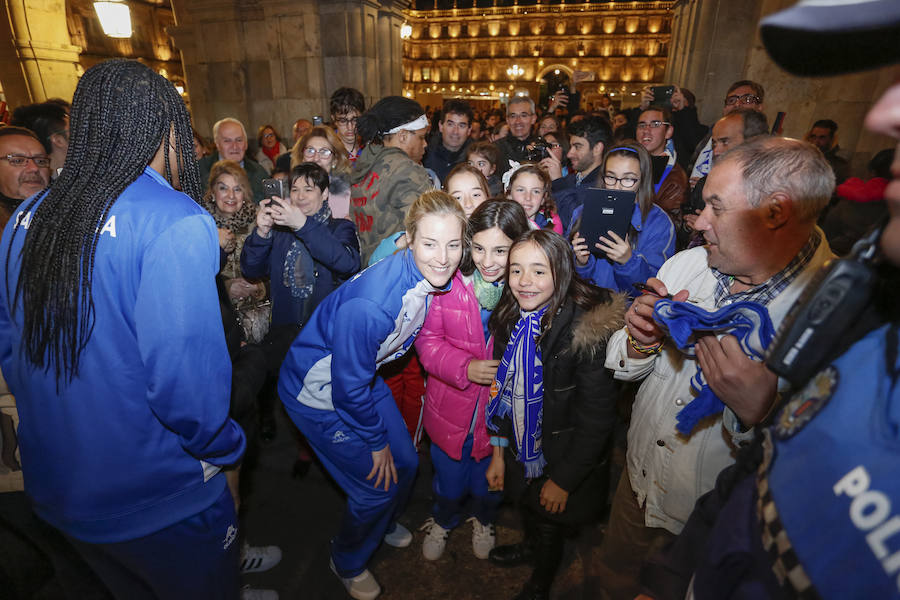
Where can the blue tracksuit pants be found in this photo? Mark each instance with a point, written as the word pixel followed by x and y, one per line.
pixel 460 487
pixel 370 511
pixel 193 559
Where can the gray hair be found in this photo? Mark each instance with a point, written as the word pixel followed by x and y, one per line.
pixel 754 121
pixel 221 122
pixel 520 100
pixel 773 164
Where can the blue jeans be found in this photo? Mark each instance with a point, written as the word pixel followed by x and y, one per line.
pixel 457 483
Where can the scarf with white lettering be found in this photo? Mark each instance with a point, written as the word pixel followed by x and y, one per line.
pixel 748 321
pixel 518 391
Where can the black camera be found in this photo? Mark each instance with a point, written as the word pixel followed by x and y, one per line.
pixel 538 150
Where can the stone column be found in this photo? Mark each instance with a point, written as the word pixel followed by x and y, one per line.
pixel 274 61
pixel 39 62
pixel 259 62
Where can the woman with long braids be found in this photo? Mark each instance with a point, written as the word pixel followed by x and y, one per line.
pixel 111 340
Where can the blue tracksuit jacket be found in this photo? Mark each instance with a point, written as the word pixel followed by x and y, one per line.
pixel 131 445
pixel 368 321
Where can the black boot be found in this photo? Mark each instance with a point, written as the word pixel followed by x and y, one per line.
pixel 514 555
pixel 548 551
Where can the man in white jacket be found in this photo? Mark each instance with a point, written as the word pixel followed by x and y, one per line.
pixel 762 200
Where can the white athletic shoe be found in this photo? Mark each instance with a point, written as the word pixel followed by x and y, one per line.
pixel 398 537
pixel 483 538
pixel 255 559
pixel 435 539
pixel 248 593
pixel 362 587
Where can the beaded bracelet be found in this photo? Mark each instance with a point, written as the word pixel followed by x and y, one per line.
pixel 649 349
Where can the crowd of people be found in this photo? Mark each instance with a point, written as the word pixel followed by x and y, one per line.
pixel 401 274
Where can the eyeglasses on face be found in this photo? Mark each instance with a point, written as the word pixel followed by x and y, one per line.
pixel 268 135
pixel 20 160
pixel 651 124
pixel 346 120
pixel 627 182
pixel 743 99
pixel 519 116
pixel 309 151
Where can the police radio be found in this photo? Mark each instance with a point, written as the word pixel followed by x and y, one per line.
pixel 825 312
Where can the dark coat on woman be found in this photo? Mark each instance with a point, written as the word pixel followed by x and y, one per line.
pixel 333 247
pixel 579 411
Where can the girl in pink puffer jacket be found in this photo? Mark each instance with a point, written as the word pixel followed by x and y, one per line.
pixel 456 352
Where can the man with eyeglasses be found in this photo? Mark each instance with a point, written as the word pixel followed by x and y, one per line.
pixel 50 123
pixel 588 139
pixel 742 94
pixel 346 105
pixel 520 117
pixel 24 168
pixel 654 130
pixel 231 144
pixel 447 146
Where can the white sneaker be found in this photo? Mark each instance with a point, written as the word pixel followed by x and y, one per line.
pixel 255 559
pixel 398 537
pixel 483 538
pixel 435 539
pixel 362 587
pixel 248 593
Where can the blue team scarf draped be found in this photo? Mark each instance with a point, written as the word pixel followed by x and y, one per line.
pixel 748 321
pixel 518 391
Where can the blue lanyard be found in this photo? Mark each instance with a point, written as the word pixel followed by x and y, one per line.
pixel 663 178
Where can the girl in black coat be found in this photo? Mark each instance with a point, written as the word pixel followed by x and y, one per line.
pixel 552 406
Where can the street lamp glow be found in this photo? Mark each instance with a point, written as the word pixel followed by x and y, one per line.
pixel 405 31
pixel 115 18
pixel 515 71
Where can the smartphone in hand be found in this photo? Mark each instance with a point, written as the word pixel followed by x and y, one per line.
pixel 273 187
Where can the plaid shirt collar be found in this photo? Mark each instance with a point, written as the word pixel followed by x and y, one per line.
pixel 769 289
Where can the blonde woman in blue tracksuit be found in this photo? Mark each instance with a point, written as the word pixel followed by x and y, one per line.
pixel 329 386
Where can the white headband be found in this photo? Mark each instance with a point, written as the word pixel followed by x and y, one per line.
pixel 419 123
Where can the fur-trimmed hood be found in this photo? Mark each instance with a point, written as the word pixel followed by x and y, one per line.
pixel 594 327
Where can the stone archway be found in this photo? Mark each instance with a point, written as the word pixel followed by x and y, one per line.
pixel 547 69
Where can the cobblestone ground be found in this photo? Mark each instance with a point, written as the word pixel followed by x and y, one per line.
pixel 300 516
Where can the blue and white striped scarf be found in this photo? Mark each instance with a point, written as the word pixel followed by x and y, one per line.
pixel 518 391
pixel 749 322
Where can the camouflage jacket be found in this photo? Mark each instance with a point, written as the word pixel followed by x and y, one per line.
pixel 384 183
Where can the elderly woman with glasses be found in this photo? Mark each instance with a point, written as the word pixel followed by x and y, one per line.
pixel 323 147
pixel 651 237
pixel 270 147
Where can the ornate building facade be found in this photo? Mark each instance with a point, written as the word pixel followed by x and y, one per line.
pixel 489 52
